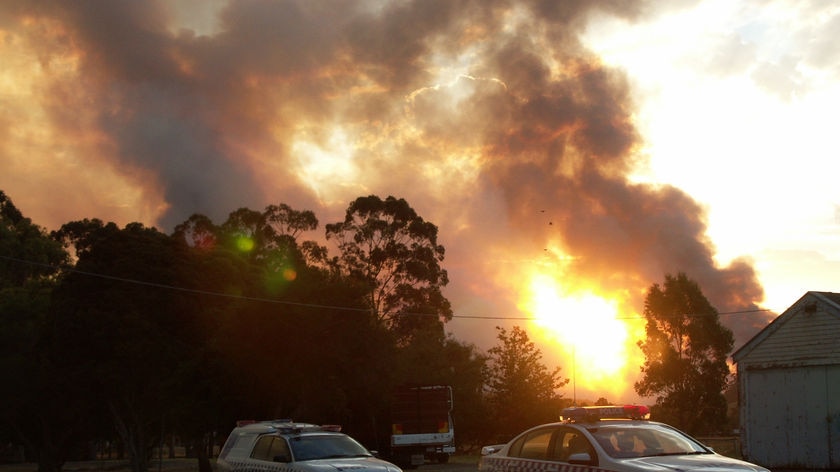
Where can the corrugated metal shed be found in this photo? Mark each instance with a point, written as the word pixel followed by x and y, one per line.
pixel 789 387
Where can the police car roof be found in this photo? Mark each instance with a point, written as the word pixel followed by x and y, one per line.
pixel 590 414
pixel 281 426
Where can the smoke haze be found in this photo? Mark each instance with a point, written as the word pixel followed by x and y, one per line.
pixel 489 117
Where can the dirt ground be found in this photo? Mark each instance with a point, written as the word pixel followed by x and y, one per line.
pixel 166 465
pixel 463 463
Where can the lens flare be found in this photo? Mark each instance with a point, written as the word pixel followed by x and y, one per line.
pixel 245 244
pixel 277 282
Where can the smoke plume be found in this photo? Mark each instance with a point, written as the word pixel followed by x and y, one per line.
pixel 490 117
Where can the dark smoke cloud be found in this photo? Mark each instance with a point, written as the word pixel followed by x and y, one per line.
pixel 531 145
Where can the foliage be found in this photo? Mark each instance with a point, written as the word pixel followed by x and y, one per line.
pixel 294 338
pixel 31 400
pixel 150 334
pixel 464 368
pixel 29 255
pixel 522 391
pixel 117 308
pixel 685 357
pixel 437 359
pixel 386 245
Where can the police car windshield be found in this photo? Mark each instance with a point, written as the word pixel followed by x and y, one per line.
pixel 626 441
pixel 332 446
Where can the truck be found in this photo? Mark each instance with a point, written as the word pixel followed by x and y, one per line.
pixel 421 425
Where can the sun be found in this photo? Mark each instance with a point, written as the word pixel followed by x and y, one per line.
pixel 587 330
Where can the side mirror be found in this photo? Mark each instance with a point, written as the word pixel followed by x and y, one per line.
pixel 487 450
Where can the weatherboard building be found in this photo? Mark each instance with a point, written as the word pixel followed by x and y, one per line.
pixel 789 387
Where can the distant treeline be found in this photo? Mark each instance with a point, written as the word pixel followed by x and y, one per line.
pixel 132 335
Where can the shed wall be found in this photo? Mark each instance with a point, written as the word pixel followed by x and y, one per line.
pixel 793 417
pixel 806 338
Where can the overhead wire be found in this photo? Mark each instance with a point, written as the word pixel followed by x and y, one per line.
pixel 311 305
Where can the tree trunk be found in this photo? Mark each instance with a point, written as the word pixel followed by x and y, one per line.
pixel 201 454
pixel 133 438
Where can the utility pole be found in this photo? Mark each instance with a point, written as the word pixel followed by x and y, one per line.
pixel 574 375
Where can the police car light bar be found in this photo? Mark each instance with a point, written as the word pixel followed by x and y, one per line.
pixel 289 426
pixel 595 413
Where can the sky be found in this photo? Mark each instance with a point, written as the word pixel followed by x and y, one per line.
pixel 571 153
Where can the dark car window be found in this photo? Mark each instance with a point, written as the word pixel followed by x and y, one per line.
pixel 272 449
pixel 279 451
pixel 552 444
pixel 325 446
pixel 533 445
pixel 569 441
pixel 651 439
pixel 262 447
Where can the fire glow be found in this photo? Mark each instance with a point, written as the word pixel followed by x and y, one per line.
pixel 586 328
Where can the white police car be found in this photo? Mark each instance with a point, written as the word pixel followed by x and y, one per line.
pixel 616 438
pixel 286 446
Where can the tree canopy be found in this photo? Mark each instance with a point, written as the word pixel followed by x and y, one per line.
pixel 394 252
pixel 130 335
pixel 522 391
pixel 29 254
pixel 685 350
pixel 117 323
pixel 32 400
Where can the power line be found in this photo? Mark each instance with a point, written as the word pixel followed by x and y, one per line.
pixel 184 289
pixel 313 305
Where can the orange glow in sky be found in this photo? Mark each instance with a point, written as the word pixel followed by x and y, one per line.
pixel 674 136
pixel 597 345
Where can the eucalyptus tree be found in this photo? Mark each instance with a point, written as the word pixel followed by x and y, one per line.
pixel 117 325
pixel 29 254
pixel 522 390
pixel 290 331
pixel 685 350
pixel 394 252
pixel 35 394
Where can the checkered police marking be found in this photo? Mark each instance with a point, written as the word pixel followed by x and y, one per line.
pixel 504 464
pixel 256 466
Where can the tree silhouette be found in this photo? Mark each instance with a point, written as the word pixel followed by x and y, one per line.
pixel 299 344
pixel 132 334
pixel 522 390
pixel 388 247
pixel 115 323
pixel 30 255
pixel 685 357
pixel 36 391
